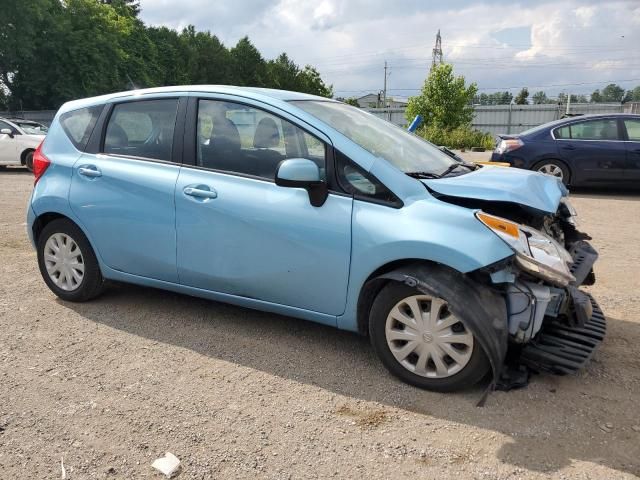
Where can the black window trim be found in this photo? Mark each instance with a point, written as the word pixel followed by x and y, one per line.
pixel 190 154
pixel 97 139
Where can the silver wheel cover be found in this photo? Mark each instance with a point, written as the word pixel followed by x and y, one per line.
pixel 551 169
pixel 426 338
pixel 64 262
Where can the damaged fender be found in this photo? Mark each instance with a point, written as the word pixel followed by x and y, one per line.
pixel 484 311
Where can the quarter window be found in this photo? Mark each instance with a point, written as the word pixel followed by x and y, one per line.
pixel 633 129
pixel 356 182
pixel 142 129
pixel 605 129
pixel 78 124
pixel 242 139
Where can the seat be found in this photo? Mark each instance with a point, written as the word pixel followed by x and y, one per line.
pixel 116 139
pixel 265 138
pixel 609 132
pixel 223 150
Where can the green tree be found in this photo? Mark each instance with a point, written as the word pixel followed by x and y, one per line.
pixel 612 93
pixel 207 60
pixel 596 96
pixel 249 68
pixel 283 73
pixel 635 94
pixel 353 101
pixel 444 101
pixel 310 81
pixel 540 98
pixel 521 98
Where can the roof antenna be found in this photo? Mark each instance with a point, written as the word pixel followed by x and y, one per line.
pixel 133 85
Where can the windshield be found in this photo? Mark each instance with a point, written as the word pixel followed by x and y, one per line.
pixel 32 128
pixel 404 150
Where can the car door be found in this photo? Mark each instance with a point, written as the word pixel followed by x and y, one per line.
pixel 632 135
pixel 8 145
pixel 124 193
pixel 238 232
pixel 593 149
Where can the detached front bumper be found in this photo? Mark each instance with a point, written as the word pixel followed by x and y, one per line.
pixel 563 349
pixel 569 323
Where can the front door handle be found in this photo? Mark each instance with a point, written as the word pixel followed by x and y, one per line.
pixel 200 191
pixel 90 171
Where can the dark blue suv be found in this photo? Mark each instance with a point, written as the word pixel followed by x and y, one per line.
pixel 585 150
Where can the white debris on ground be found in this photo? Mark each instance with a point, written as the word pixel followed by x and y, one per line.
pixel 168 465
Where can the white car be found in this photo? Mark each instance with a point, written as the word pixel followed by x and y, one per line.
pixel 18 141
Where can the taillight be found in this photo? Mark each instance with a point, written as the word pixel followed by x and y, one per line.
pixel 40 163
pixel 509 145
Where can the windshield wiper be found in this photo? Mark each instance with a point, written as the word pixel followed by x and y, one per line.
pixel 423 174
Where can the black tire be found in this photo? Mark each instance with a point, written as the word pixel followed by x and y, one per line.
pixel 92 282
pixel 476 368
pixel 28 160
pixel 566 173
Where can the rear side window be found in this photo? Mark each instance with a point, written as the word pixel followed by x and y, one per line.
pixel 633 129
pixel 605 129
pixel 142 129
pixel 79 124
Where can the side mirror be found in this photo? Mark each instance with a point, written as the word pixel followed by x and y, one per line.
pixel 303 173
pixel 7 131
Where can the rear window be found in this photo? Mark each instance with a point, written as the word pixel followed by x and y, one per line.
pixel 79 124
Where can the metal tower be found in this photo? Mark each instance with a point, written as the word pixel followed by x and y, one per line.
pixel 436 59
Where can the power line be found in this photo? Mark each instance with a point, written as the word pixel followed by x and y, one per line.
pixel 508 88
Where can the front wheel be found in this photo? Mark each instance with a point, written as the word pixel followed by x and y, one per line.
pixel 419 340
pixel 67 262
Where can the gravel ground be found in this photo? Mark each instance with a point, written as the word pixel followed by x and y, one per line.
pixel 113 384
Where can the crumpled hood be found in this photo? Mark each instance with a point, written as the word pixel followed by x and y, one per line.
pixel 501 184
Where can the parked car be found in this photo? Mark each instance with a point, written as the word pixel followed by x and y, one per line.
pixel 305 206
pixel 18 140
pixel 584 150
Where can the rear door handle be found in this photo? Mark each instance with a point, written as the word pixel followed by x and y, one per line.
pixel 90 171
pixel 568 147
pixel 200 191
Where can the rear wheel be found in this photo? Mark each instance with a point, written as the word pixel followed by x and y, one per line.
pixel 422 342
pixel 67 262
pixel 28 160
pixel 554 168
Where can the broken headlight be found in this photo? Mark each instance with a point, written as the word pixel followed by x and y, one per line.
pixel 536 253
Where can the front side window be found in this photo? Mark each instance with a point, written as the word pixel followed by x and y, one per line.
pixel 633 129
pixel 142 129
pixel 605 129
pixel 242 139
pixel 406 151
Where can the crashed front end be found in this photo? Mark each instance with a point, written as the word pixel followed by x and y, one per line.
pixel 553 325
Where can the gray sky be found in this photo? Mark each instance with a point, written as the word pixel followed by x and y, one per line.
pixel 571 46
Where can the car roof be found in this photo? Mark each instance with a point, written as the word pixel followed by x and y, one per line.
pixel 563 121
pixel 256 93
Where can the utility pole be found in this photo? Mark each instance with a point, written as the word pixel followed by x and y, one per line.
pixel 436 58
pixel 384 90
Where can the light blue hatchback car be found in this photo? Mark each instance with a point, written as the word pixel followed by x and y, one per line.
pixel 308 207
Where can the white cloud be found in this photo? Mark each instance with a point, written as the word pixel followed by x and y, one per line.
pixel 571 41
